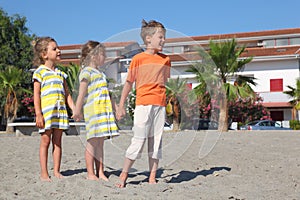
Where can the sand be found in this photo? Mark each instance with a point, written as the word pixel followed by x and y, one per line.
pixel 196 165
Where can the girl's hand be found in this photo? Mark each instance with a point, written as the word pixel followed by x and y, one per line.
pixel 39 121
pixel 77 116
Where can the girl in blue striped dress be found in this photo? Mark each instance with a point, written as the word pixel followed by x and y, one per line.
pixel 97 107
pixel 50 96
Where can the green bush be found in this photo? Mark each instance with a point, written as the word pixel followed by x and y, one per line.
pixel 295 124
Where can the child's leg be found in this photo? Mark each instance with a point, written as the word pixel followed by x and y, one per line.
pixel 153 165
pixel 135 149
pixel 99 159
pixel 124 174
pixel 89 158
pixel 155 142
pixel 57 151
pixel 44 145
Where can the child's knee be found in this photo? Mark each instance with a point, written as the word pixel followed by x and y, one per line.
pixel 135 149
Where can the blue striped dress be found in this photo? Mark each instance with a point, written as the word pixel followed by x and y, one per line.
pixel 98 112
pixel 53 103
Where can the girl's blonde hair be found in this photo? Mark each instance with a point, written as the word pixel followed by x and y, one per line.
pixel 40 47
pixel 149 28
pixel 90 49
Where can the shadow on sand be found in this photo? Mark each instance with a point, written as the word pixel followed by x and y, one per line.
pixel 73 172
pixel 180 177
pixel 183 175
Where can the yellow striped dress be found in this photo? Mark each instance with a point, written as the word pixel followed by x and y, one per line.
pixel 53 103
pixel 98 112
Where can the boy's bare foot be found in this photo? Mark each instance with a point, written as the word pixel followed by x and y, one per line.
pixel 122 180
pixel 58 175
pixel 152 181
pixel 92 178
pixel 45 179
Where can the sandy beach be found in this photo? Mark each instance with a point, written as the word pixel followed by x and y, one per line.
pixel 195 165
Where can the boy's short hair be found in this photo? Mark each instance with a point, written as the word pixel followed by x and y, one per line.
pixel 149 28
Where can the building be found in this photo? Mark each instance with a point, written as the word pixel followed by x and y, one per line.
pixel 275 64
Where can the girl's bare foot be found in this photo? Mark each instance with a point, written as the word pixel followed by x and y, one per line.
pixel 103 177
pixel 45 179
pixel 58 175
pixel 122 182
pixel 92 178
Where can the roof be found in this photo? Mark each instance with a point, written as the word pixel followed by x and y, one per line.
pixel 255 34
pixel 250 39
pixel 277 104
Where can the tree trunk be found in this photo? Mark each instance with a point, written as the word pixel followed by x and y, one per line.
pixel 175 125
pixel 294 112
pixel 223 116
pixel 10 129
pixel 176 115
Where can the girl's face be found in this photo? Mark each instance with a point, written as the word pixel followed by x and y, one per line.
pixel 157 40
pixel 100 59
pixel 53 52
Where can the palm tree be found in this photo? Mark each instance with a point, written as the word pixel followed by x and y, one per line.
pixel 174 88
pixel 72 71
pixel 294 94
pixel 221 63
pixel 11 80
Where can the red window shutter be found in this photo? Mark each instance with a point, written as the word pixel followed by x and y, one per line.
pixel 276 85
pixel 190 85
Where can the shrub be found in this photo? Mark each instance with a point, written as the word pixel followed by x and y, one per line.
pixel 295 124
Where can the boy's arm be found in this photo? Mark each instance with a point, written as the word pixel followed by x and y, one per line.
pixel 39 119
pixel 121 111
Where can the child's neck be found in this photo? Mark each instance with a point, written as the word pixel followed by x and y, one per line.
pixel 93 65
pixel 151 51
pixel 50 65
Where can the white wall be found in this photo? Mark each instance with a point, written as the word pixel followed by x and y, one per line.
pixel 263 71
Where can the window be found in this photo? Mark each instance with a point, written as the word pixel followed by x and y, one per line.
pixel 189 85
pixel 295 41
pixel 269 43
pixel 265 123
pixel 277 115
pixel 282 42
pixel 111 54
pixel 276 85
pixel 174 49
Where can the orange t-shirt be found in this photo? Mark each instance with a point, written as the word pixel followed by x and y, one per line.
pixel 150 73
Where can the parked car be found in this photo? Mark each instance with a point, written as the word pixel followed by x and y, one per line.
pixel 24 119
pixel 263 125
pixel 204 124
pixel 168 126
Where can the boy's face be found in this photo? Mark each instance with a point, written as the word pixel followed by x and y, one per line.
pixel 157 40
pixel 53 52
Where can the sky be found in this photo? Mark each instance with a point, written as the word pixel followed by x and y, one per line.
pixel 75 22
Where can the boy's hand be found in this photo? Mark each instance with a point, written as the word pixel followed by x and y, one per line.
pixel 120 112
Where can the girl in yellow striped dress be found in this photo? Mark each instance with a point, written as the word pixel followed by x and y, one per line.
pixel 98 113
pixel 50 96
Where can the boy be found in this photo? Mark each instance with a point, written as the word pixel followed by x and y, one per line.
pixel 149 71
